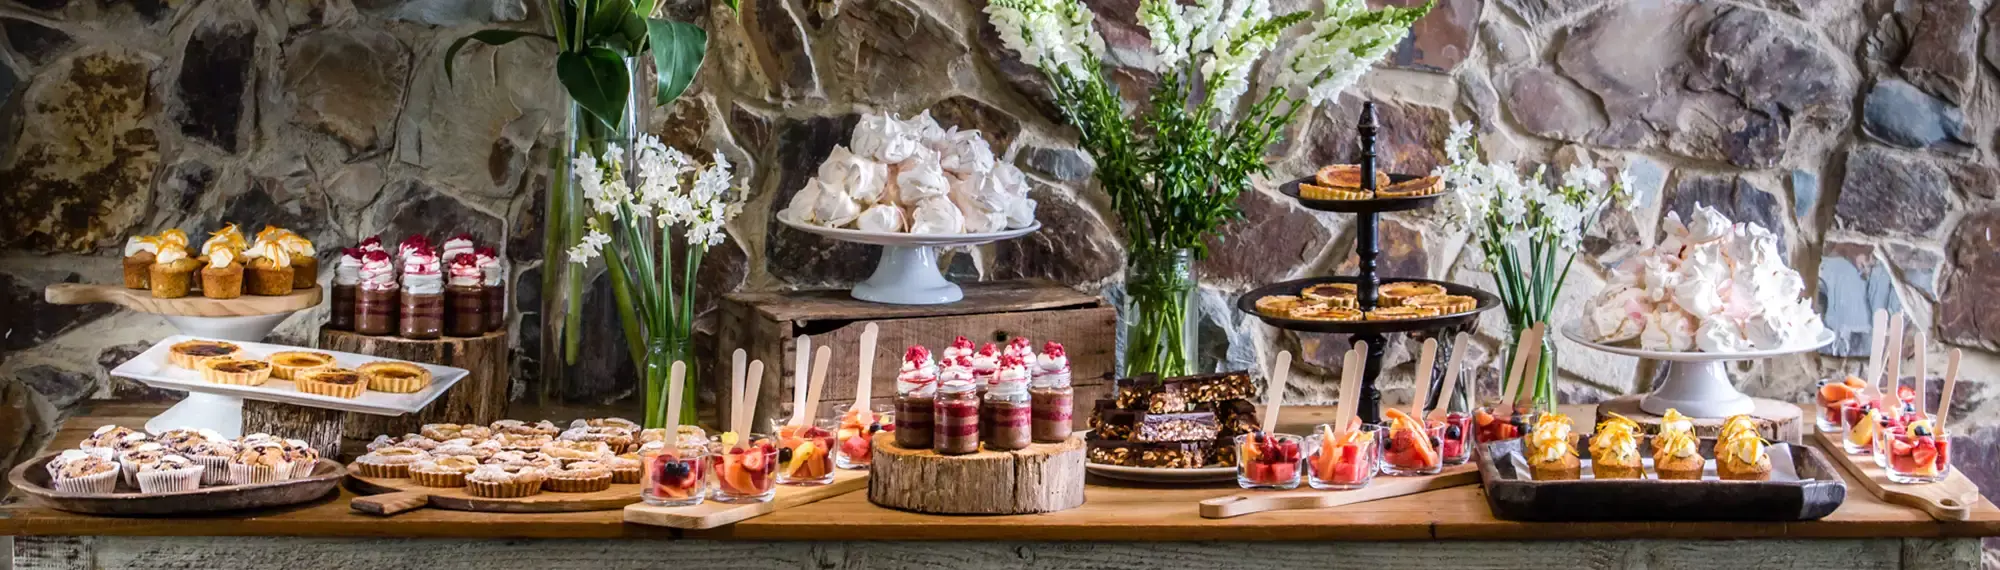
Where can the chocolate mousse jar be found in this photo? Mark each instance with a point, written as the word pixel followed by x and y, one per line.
pixel 496 305
pixel 1053 406
pixel 914 412
pixel 375 310
pixel 1007 415
pixel 422 316
pixel 465 310
pixel 344 299
pixel 956 416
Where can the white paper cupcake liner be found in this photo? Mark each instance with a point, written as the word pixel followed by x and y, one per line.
pixel 241 474
pixel 171 480
pixel 303 469
pixel 215 469
pixel 98 483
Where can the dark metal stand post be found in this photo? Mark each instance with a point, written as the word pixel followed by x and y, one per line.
pixel 1368 246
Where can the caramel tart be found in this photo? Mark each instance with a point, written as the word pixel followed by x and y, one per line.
pixel 1424 186
pixel 235 371
pixel 1444 304
pixel 1277 305
pixel 396 377
pixel 1325 313
pixel 1400 313
pixel 1393 294
pixel 189 354
pixel 290 365
pixel 332 381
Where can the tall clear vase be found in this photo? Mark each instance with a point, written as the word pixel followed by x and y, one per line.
pixel 1157 320
pixel 564 284
pixel 1541 382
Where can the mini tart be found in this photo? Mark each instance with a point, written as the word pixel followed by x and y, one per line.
pixel 1444 304
pixel 1424 186
pixel 1277 305
pixel 571 451
pixel 395 377
pixel 1324 313
pixel 189 354
pixel 1346 176
pixel 578 477
pixel 389 462
pixel 626 468
pixel 501 482
pixel 445 472
pixel 1400 313
pixel 332 381
pixel 1394 294
pixel 264 279
pixel 1329 291
pixel 235 371
pixel 289 365
pixel 1317 192
pixel 442 432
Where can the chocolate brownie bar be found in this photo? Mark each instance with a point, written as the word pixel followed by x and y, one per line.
pixel 1183 394
pixel 1169 455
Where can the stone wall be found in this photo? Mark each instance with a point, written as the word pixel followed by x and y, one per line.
pixel 1861 131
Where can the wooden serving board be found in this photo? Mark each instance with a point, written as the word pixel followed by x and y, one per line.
pixel 711 514
pixel 391 496
pixel 1383 487
pixel 1949 500
pixel 32 478
pixel 193 305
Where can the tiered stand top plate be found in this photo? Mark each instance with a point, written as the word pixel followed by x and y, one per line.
pixel 1362 206
pixel 1248 304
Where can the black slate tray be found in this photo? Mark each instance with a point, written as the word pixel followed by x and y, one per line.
pixel 1248 304
pixel 1362 206
pixel 1513 496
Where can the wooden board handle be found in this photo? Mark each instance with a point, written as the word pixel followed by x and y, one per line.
pixel 1949 509
pixel 1383 487
pixel 391 503
pixel 1247 503
pixel 77 294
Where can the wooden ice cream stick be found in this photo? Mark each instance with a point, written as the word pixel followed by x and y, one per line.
pixel 1511 385
pixel 755 383
pixel 1534 361
pixel 1892 363
pixel 820 364
pixel 865 378
pixel 1274 391
pixel 1920 366
pixel 675 375
pixel 1350 386
pixel 1420 377
pixel 1950 384
pixel 802 364
pixel 1877 333
pixel 1451 367
pixel 737 361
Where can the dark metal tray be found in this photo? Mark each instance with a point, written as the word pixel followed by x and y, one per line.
pixel 1513 496
pixel 1248 304
pixel 1363 206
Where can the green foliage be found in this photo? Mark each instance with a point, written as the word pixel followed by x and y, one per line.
pixel 597 80
pixel 678 48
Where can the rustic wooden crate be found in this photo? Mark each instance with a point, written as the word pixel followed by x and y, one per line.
pixel 765 324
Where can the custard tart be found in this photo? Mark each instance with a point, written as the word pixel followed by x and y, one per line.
pixel 1346 177
pixel 290 365
pixel 189 354
pixel 1325 313
pixel 1393 294
pixel 1444 304
pixel 1400 313
pixel 1334 294
pixel 1424 186
pixel 1316 192
pixel 395 377
pixel 332 381
pixel 1277 305
pixel 236 371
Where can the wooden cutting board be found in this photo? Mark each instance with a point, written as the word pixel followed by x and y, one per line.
pixel 193 305
pixel 1949 500
pixel 392 496
pixel 711 514
pixel 1383 487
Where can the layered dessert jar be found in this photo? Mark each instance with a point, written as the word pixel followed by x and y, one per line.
pixel 956 418
pixel 916 395
pixel 1052 397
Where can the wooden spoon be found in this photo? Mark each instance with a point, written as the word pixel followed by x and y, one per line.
pixel 865 378
pixel 1510 387
pixel 1451 371
pixel 1274 393
pixel 1892 365
pixel 1350 386
pixel 1919 366
pixel 1878 332
pixel 1420 377
pixel 676 374
pixel 802 364
pixel 1950 384
pixel 1534 367
pixel 820 364
pixel 750 393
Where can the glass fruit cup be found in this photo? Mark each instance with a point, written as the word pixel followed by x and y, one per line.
pixel 1832 397
pixel 805 454
pixel 853 447
pixel 1859 420
pixel 1268 461
pixel 1885 429
pixel 1919 455
pixel 1490 427
pixel 1343 461
pixel 1456 438
pixel 1410 447
pixel 746 474
pixel 674 478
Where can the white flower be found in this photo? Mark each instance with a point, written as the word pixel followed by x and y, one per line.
pixel 588 249
pixel 1345 40
pixel 1169 31
pixel 1055 35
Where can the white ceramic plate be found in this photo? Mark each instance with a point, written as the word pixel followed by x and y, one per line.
pixel 1158 475
pixel 151 367
pixel 1575 332
pixel 909 239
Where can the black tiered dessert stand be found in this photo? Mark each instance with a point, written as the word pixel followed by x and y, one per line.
pixel 1367 246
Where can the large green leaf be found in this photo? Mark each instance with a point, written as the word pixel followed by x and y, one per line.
pixel 608 17
pixel 678 48
pixel 488 37
pixel 597 80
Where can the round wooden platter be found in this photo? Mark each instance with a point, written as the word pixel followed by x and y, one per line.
pixel 391 496
pixel 32 478
pixel 193 305
pixel 1043 478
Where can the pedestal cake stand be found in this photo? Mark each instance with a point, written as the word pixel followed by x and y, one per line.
pixel 246 318
pixel 908 272
pixel 1696 383
pixel 1367 247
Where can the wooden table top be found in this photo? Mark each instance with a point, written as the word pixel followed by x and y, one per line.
pixel 1113 511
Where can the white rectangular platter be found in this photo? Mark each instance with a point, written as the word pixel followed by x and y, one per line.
pixel 151 367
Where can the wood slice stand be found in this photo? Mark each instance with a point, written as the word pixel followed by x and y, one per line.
pixel 1383 487
pixel 480 398
pixel 1044 478
pixel 193 305
pixel 711 514
pixel 1949 500
pixel 392 496
pixel 1776 421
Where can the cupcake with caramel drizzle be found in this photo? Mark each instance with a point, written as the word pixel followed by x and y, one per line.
pixel 1740 453
pixel 1551 449
pixel 226 238
pixel 270 269
pixel 222 278
pixel 172 274
pixel 139 254
pixel 1676 452
pixel 1614 449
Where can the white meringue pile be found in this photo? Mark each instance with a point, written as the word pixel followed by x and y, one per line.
pixel 1710 286
pixel 916 177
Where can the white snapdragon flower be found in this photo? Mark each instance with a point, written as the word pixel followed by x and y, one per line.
pixel 1170 32
pixel 1345 40
pixel 1055 35
pixel 593 244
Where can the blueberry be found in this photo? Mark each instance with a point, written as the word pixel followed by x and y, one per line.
pixel 784 454
pixel 1921 431
pixel 1435 443
pixel 674 469
pixel 1453 432
pixel 874 427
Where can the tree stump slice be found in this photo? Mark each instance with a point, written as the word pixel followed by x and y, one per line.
pixel 1776 421
pixel 478 399
pixel 1044 478
pixel 319 427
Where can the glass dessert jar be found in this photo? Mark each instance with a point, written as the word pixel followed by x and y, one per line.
pixel 375 310
pixel 1054 410
pixel 421 315
pixel 674 477
pixel 1268 460
pixel 956 418
pixel 1919 454
pixel 1886 428
pixel 914 410
pixel 341 318
pixel 746 474
pixel 1411 447
pixel 854 446
pixel 805 454
pixel 1455 438
pixel 465 310
pixel 1008 411
pixel 1832 397
pixel 1859 419
pixel 1491 425
pixel 1343 461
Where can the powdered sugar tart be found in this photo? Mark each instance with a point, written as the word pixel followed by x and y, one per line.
pixel 1709 286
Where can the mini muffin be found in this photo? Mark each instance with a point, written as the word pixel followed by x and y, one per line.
pixel 305 264
pixel 446 471
pixel 213 456
pixel 183 440
pixel 82 472
pixel 578 477
pixel 304 458
pixel 336 382
pixel 503 482
pixel 235 371
pixel 114 438
pixel 395 377
pixel 1393 294
pixel 443 432
pixel 388 462
pixel 170 474
pixel 172 274
pixel 1677 457
pixel 270 270
pixel 1277 305
pixel 1551 448
pixel 139 254
pixel 260 462
pixel 567 451
pixel 222 278
pixel 189 354
pixel 287 365
pixel 1614 449
pixel 129 461
pixel 1443 304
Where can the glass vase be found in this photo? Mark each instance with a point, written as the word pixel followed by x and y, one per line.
pixel 661 353
pixel 1541 387
pixel 1157 322
pixel 565 285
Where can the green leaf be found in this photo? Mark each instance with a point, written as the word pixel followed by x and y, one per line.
pixel 488 37
pixel 609 17
pixel 731 3
pixel 634 30
pixel 678 48
pixel 644 8
pixel 597 80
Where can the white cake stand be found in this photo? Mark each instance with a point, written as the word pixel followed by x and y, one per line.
pixel 908 273
pixel 1697 383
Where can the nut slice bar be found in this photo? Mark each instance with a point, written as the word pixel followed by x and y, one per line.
pixel 1109 422
pixel 1183 394
pixel 1167 455
pixel 1235 417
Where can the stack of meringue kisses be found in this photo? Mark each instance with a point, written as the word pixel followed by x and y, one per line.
pixel 1711 286
pixel 916 177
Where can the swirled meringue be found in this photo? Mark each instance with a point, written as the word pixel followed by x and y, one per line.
pixel 1710 285
pixel 860 178
pixel 835 207
pixel 885 139
pixel 937 216
pixel 965 153
pixel 921 177
pixel 884 218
